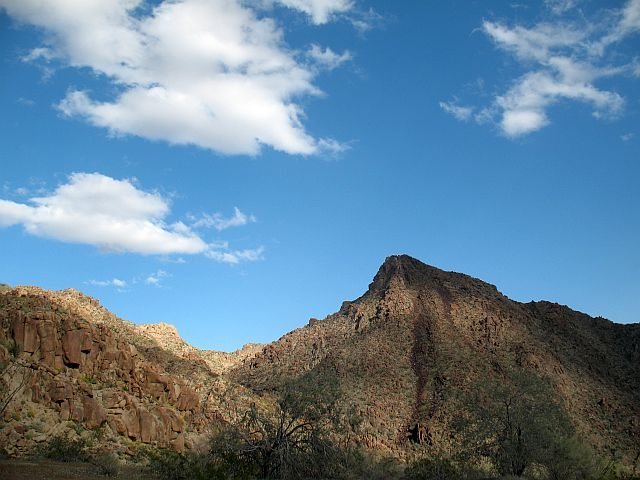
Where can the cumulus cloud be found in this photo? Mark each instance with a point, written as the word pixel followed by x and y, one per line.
pixel 112 215
pixel 327 58
pixel 98 210
pixel 524 106
pixel 220 222
pixel 562 61
pixel 211 73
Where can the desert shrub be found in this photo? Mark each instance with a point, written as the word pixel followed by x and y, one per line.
pixel 64 449
pixel 516 423
pixel 106 465
pixel 293 439
pixel 223 461
pixel 613 471
pixel 432 469
pixel 169 465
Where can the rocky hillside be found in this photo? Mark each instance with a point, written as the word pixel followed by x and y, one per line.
pixel 415 347
pixel 409 355
pixel 70 366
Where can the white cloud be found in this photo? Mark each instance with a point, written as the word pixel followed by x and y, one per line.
pixel 156 278
pixel 365 20
pixel 626 137
pixel 628 22
pixel 535 43
pixel 459 112
pixel 560 6
pixel 222 253
pixel 220 222
pixel 562 61
pixel 327 58
pixel 320 11
pixel 115 282
pixel 210 73
pixel 332 147
pixel 38 53
pixel 523 107
pixel 112 215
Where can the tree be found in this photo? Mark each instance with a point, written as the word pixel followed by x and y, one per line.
pixel 516 422
pixel 293 439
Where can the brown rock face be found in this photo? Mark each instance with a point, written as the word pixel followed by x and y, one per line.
pixel 30 342
pixel 94 412
pixel 132 424
pixel 147 426
pixel 71 344
pixel 48 342
pixel 83 367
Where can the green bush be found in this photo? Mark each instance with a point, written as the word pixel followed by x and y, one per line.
pixel 106 465
pixel 64 449
pixel 432 469
pixel 169 465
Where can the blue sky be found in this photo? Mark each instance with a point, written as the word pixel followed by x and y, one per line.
pixel 234 168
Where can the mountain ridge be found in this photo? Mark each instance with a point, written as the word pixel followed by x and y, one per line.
pixel 404 353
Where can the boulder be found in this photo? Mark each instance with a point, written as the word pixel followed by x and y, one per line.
pixel 77 412
pixel 178 443
pixel 111 399
pixel 59 391
pixel 188 401
pixel 132 424
pixel 94 413
pixel 72 344
pixel 147 426
pixel 117 424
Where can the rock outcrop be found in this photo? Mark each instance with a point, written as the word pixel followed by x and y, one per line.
pixel 67 361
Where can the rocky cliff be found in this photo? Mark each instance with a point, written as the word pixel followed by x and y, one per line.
pixel 69 365
pixel 408 356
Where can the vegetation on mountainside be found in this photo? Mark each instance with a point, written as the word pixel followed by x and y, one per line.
pixel 513 429
pixel 515 423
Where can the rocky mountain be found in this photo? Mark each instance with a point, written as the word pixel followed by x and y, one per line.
pixel 409 355
pixel 412 350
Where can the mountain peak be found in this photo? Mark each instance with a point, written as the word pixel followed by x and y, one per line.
pixel 403 267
